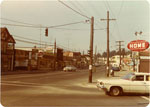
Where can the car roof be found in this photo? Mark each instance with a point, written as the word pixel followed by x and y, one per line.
pixel 141 73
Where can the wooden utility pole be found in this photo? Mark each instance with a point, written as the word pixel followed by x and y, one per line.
pixel 95 57
pixel 55 55
pixel 120 50
pixel 107 40
pixel 91 50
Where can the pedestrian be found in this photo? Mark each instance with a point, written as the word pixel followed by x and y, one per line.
pixel 112 72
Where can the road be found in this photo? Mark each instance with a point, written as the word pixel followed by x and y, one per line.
pixel 61 89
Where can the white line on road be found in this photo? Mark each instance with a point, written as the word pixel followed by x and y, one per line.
pixel 146 98
pixel 38 75
pixel 52 90
pixel 25 84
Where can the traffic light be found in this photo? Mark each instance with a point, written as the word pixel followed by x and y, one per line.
pixel 46 32
pixel 89 52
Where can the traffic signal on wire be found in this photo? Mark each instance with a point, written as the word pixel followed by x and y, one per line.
pixel 46 32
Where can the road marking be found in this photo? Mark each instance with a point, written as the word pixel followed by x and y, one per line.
pixel 39 75
pixel 146 98
pixel 25 84
pixel 20 83
pixel 53 90
pixel 36 75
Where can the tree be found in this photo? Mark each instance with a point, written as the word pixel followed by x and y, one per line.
pixel 112 53
pixel 104 54
pixel 99 55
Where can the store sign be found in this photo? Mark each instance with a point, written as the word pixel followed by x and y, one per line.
pixel 138 45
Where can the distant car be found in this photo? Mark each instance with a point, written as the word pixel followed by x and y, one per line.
pixel 115 64
pixel 96 64
pixel 115 68
pixel 130 83
pixel 69 68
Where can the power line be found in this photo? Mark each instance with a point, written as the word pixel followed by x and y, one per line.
pixel 19 25
pixel 20 40
pixel 16 21
pixel 66 24
pixel 53 27
pixel 75 6
pixel 78 29
pixel 30 42
pixel 29 39
pixel 120 8
pixel 74 10
pixel 114 16
pixel 88 13
pixel 44 26
pixel 83 8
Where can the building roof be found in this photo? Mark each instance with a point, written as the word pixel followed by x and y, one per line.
pixel 10 39
pixel 145 53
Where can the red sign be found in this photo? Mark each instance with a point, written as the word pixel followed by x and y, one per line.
pixel 138 45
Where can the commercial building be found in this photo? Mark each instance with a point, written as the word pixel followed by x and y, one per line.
pixel 144 61
pixel 7 50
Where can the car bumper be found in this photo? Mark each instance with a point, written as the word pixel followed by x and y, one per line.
pixel 101 87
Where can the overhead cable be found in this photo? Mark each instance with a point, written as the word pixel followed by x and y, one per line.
pixel 66 24
pixel 25 41
pixel 31 42
pixel 20 25
pixel 17 21
pixel 29 39
pixel 53 27
pixel 74 10
pixel 44 26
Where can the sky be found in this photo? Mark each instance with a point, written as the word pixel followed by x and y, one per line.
pixel 131 16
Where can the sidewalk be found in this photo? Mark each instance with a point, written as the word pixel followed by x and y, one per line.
pixel 118 74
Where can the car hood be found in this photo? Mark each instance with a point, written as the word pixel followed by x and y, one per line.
pixel 113 81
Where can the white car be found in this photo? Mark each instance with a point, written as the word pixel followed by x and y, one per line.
pixel 130 83
pixel 69 68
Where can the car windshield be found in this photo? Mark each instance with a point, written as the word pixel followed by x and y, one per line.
pixel 128 76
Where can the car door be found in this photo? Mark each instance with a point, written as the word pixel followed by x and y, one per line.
pixel 147 83
pixel 137 84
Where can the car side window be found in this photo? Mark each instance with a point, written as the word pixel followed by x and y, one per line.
pixel 147 77
pixel 139 78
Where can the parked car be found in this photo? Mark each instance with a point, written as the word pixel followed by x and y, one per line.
pixel 96 64
pixel 130 83
pixel 69 68
pixel 115 68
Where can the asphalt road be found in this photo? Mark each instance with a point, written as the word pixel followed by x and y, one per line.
pixel 61 89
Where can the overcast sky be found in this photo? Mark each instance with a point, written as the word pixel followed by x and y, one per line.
pixel 131 16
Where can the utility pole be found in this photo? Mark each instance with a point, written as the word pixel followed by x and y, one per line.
pixel 138 60
pixel 95 58
pixel 120 50
pixel 40 37
pixel 107 40
pixel 55 55
pixel 91 50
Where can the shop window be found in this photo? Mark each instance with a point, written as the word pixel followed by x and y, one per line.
pixel 147 77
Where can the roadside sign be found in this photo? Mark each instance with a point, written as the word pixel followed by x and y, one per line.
pixel 138 45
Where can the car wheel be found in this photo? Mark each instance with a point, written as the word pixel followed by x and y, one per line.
pixel 115 91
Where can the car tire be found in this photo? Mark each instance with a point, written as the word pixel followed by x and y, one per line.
pixel 115 91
